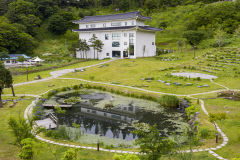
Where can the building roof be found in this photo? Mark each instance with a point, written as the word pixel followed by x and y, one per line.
pixel 128 15
pixel 15 56
pixel 148 28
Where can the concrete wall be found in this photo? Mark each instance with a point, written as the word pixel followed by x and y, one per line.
pixel 147 39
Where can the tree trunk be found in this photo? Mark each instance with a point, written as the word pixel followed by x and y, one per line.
pixel 13 93
pixel 86 54
pixel 94 53
pixel 97 55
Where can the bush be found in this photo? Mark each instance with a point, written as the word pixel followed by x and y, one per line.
pixel 205 133
pixel 191 111
pixel 169 101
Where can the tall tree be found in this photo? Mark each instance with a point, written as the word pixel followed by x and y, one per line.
pixel 99 45
pixel 93 44
pixel 220 37
pixel 5 80
pixel 86 48
pixel 194 38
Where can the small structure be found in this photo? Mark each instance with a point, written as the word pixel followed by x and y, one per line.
pixel 12 60
pixel 37 59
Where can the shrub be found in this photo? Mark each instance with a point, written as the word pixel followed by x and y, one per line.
pixel 169 101
pixel 205 133
pixel 191 110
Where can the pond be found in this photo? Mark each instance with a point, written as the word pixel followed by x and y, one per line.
pixel 113 116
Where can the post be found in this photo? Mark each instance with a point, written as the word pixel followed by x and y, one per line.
pixel 216 137
pixel 194 48
pixel 98 144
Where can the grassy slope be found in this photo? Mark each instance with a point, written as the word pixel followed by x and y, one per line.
pixel 231 126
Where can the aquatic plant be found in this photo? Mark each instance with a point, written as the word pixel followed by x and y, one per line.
pixel 169 101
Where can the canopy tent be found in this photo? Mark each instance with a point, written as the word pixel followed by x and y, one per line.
pixel 37 59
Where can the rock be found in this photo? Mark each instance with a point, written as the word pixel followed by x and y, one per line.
pixel 149 81
pixel 206 85
pixel 189 84
pixel 168 84
pixel 199 86
pixel 161 81
pixel 143 79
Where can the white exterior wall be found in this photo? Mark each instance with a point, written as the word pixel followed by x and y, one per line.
pixel 107 47
pixel 145 38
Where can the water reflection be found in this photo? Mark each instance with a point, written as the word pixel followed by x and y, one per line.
pixel 117 121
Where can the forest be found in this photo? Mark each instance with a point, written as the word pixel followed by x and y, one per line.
pixel 23 22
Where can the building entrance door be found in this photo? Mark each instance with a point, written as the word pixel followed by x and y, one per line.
pixel 125 54
pixel 116 54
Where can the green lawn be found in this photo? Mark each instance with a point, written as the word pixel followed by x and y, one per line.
pixel 45 74
pixel 231 126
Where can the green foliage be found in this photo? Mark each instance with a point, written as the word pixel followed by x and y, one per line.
pixel 205 133
pixel 21 59
pixel 5 80
pixel 169 101
pixel 57 24
pixel 72 100
pixel 151 142
pixel 70 154
pixel 15 40
pixel 213 117
pixel 24 13
pixel 194 37
pixel 21 129
pixel 59 110
pixel 60 133
pixel 191 110
pixel 26 151
pixel 125 157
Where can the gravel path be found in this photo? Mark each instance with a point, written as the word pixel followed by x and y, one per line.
pixel 194 75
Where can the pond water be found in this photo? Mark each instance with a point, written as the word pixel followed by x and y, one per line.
pixel 117 121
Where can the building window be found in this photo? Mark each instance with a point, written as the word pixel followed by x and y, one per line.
pixel 104 24
pixel 115 44
pixel 107 54
pixel 125 34
pixel 125 43
pixel 86 26
pixel 93 25
pixel 131 34
pixel 116 36
pixel 106 36
pixel 125 23
pixel 116 24
pixel 153 43
pixel 133 23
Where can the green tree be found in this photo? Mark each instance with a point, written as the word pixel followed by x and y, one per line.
pixel 21 129
pixel 15 40
pixel 73 47
pixel 3 55
pixel 93 44
pixel 26 151
pixel 220 37
pixel 194 38
pixel 180 44
pixel 215 117
pixel 152 142
pixel 5 80
pixel 21 59
pixel 57 24
pixel 70 154
pixel 23 12
pixel 99 45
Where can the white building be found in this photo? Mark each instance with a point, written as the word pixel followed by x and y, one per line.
pixel 124 35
